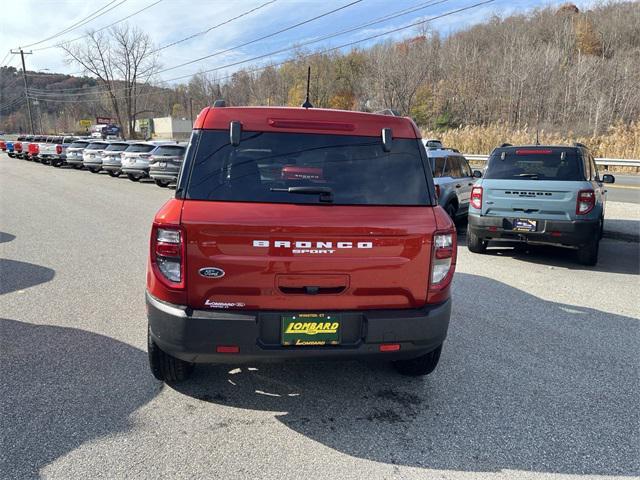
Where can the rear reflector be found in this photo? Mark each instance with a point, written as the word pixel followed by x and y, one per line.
pixel 389 347
pixel 555 234
pixel 227 349
pixel 532 151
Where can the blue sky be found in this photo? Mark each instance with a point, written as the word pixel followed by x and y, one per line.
pixel 172 20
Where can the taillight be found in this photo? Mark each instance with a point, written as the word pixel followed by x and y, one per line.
pixel 168 255
pixel 17 146
pixel 443 255
pixel 437 191
pixel 476 198
pixel 58 149
pixel 586 202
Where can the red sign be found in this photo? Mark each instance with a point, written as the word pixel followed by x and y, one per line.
pixel 100 120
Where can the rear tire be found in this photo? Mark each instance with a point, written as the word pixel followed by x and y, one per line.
pixel 588 254
pixel 475 244
pixel 165 367
pixel 133 178
pixel 161 183
pixel 113 174
pixel 422 365
pixel 94 170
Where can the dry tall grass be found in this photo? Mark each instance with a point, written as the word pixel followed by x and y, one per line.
pixel 620 141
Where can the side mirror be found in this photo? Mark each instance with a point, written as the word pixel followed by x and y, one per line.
pixel 477 174
pixel 608 178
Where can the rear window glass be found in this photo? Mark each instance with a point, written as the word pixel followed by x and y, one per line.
pixel 437 166
pixel 169 150
pixel 78 144
pixel 340 169
pixel 96 146
pixel 534 164
pixel 140 148
pixel 116 147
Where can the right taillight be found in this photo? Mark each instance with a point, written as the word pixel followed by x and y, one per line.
pixel 17 147
pixel 168 255
pixel 58 149
pixel 476 198
pixel 437 191
pixel 586 202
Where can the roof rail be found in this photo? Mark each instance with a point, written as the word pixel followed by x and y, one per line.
pixel 506 145
pixel 388 111
pixel 578 144
pixel 219 104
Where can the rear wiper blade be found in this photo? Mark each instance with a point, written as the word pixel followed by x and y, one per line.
pixel 528 175
pixel 326 193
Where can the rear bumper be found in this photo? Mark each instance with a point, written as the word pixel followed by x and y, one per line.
pixel 163 174
pixel 141 172
pixel 111 167
pixel 193 335
pixel 553 232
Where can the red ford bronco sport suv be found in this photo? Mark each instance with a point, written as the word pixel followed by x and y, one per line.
pixel 300 233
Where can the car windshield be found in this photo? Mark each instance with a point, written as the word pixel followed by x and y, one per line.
pixel 96 146
pixel 534 164
pixel 172 150
pixel 140 148
pixel 116 147
pixel 307 169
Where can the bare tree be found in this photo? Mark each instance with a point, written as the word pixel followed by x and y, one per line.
pixel 123 60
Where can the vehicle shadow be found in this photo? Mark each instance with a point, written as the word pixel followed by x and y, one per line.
pixel 6 237
pixel 609 258
pixel 16 275
pixel 523 384
pixel 62 387
pixel 620 229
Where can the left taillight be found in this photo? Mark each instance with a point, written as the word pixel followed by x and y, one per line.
pixel 58 149
pixel 476 198
pixel 586 202
pixel 168 255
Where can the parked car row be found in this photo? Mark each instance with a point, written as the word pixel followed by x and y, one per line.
pixel 159 160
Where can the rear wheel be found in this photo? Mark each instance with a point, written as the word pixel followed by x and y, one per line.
pixel 475 244
pixel 588 254
pixel 422 365
pixel 161 183
pixel 165 367
pixel 113 174
pixel 132 177
pixel 94 170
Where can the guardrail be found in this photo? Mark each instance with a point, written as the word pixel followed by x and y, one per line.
pixel 615 162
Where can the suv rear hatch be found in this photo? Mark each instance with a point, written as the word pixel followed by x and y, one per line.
pixel 292 221
pixel 532 182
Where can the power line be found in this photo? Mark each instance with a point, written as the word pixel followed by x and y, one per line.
pixel 89 18
pixel 100 29
pixel 327 50
pixel 264 37
pixel 213 27
pixel 375 21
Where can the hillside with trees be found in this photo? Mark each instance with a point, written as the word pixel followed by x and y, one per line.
pixel 562 70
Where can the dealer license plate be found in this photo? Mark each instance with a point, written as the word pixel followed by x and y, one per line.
pixel 311 329
pixel 524 225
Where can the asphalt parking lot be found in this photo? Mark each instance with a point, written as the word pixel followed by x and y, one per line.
pixel 538 378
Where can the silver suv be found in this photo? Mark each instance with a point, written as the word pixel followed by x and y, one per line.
pixel 135 159
pixel 452 177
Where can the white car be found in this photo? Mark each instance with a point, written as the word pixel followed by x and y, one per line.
pixel 92 156
pixel 135 159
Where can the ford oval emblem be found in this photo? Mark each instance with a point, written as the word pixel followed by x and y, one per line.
pixel 211 272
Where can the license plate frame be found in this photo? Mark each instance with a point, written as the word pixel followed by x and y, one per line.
pixel 524 225
pixel 310 329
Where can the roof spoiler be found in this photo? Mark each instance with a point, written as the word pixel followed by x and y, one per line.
pixel 388 111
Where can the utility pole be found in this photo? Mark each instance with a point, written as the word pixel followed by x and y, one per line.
pixel 24 77
pixel 191 109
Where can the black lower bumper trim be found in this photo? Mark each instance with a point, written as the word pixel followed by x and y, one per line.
pixel 193 335
pixel 554 232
